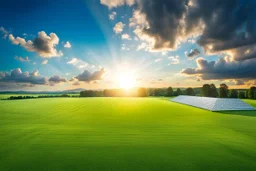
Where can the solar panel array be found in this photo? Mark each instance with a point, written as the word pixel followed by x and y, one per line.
pixel 213 104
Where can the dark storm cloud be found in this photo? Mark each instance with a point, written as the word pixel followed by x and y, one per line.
pixel 224 68
pixel 222 24
pixel 193 53
pixel 163 18
pixel 88 76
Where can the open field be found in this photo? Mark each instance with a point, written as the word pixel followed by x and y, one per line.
pixel 118 134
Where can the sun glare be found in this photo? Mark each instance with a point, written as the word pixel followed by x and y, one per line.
pixel 126 80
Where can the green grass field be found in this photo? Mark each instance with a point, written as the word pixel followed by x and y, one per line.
pixel 123 134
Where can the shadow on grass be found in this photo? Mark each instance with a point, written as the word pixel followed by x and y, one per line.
pixel 241 113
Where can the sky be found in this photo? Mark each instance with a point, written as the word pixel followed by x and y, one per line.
pixel 100 44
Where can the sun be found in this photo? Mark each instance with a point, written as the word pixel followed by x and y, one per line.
pixel 126 80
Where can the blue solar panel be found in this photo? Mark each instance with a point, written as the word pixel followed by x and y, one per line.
pixel 213 104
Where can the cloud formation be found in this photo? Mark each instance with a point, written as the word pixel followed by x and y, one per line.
pixel 193 53
pixel 17 79
pixel 67 45
pixel 174 60
pixel 17 76
pixel 21 59
pixel 119 27
pixel 43 45
pixel 115 3
pixel 222 26
pixel 73 61
pixel 224 68
pixel 45 62
pixel 55 79
pixel 88 76
pixel 126 36
pixel 112 15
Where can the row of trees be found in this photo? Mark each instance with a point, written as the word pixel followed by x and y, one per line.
pixel 139 92
pixel 169 92
pixel 210 90
pixel 40 96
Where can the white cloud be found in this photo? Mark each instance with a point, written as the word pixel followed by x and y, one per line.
pixel 73 61
pixel 138 19
pixel 130 2
pixel 21 59
pixel 116 3
pixel 67 45
pixel 119 27
pixel 112 15
pixel 174 60
pixel 45 62
pixel 80 64
pixel 126 36
pixel 43 45
pixel 144 46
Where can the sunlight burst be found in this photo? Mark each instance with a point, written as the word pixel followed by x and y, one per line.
pixel 126 80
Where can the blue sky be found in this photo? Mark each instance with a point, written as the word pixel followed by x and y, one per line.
pixel 102 44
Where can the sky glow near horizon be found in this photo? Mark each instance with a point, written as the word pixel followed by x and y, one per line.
pixel 103 44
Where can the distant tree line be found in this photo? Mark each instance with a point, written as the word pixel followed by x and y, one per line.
pixel 135 92
pixel 40 96
pixel 140 92
pixel 209 90
pixel 21 97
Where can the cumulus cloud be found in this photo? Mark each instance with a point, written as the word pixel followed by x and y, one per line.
pixel 73 61
pixel 4 32
pixel 126 36
pixel 43 45
pixel 143 46
pixel 223 26
pixel 67 45
pixel 174 60
pixel 112 15
pixel 193 53
pixel 45 62
pixel 79 63
pixel 116 3
pixel 21 59
pixel 224 68
pixel 55 79
pixel 88 76
pixel 119 27
pixel 17 76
